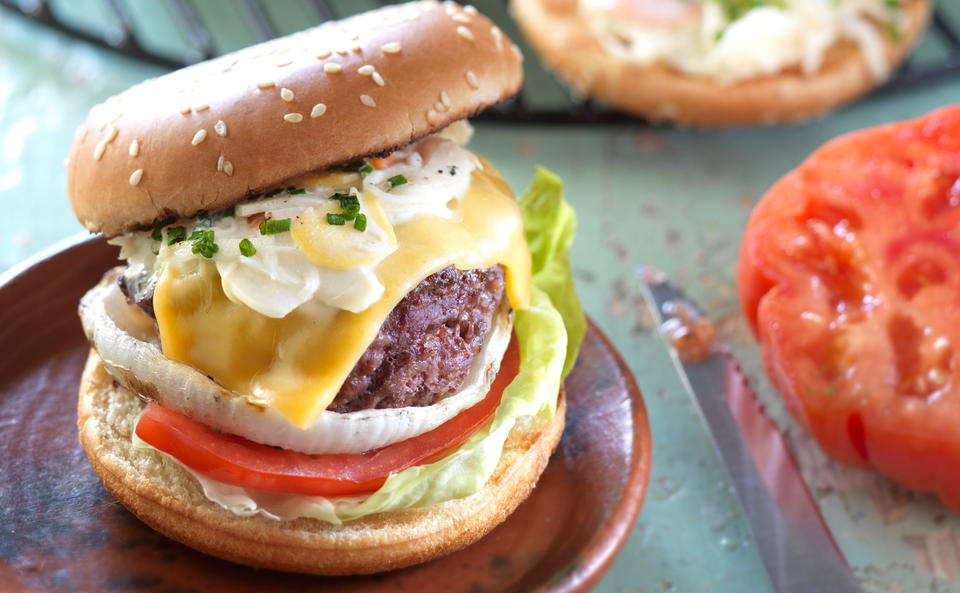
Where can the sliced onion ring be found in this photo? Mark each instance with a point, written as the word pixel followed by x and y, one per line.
pixel 129 345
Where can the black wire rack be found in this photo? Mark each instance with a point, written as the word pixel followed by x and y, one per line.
pixel 122 36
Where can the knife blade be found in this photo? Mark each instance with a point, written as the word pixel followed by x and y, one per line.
pixel 795 544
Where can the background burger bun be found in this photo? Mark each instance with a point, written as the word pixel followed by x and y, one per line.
pixel 169 499
pixel 209 135
pixel 660 93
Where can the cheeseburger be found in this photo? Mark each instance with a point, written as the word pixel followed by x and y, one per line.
pixel 337 342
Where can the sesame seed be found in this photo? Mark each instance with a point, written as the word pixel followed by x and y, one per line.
pixel 324 54
pixel 318 110
pixel 390 48
pixel 431 117
pixel 341 51
pixel 220 127
pixel 366 70
pixel 497 37
pixel 220 163
pixel 470 9
pixel 449 9
pixel 266 84
pixel 439 106
pixel 286 94
pixel 378 79
pixel 112 132
pixel 460 17
pixel 428 6
pixel 134 147
pixel 368 101
pixel 332 68
pixel 472 79
pixel 199 137
pixel 293 118
pixel 99 149
pixel 356 47
pixel 446 99
pixel 136 176
pixel 228 168
pixel 284 63
pixel 516 51
pixel 185 110
pixel 202 107
pixel 465 32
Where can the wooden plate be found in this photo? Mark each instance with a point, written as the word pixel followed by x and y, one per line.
pixel 61 531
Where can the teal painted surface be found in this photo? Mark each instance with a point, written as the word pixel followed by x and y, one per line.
pixel 676 199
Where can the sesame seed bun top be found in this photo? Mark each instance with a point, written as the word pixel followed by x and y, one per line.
pixel 209 135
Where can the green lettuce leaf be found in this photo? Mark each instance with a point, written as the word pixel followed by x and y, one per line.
pixel 550 224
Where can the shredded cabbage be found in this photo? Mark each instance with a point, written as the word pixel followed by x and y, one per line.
pixel 549 333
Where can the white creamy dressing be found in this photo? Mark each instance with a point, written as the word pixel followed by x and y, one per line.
pixel 697 37
pixel 280 277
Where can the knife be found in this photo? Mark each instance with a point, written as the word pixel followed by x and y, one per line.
pixel 797 549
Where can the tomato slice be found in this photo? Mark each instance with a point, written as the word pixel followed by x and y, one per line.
pixel 235 460
pixel 849 273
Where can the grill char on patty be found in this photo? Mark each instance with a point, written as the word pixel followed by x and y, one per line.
pixel 426 346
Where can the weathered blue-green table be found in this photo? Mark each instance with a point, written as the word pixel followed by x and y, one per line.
pixel 676 199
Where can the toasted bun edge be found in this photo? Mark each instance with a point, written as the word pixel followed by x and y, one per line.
pixel 660 93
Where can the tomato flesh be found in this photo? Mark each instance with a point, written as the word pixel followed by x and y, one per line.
pixel 237 461
pixel 849 274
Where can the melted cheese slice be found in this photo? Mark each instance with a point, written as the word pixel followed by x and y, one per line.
pixel 297 364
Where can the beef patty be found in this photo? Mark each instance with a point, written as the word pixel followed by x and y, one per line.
pixel 426 346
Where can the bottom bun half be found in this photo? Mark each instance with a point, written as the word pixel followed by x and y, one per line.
pixel 166 497
pixel 658 92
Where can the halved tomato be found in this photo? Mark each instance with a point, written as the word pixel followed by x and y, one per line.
pixel 235 460
pixel 849 273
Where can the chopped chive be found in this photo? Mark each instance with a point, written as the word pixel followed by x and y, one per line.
pixel 365 170
pixel 296 191
pixel 335 219
pixel 273 193
pixel 247 248
pixel 397 180
pixel 272 227
pixel 360 223
pixel 352 167
pixel 175 234
pixel 345 199
pixel 228 213
pixel 203 243
pixel 157 234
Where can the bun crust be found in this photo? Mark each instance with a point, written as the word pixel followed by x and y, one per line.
pixel 168 499
pixel 209 135
pixel 660 93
